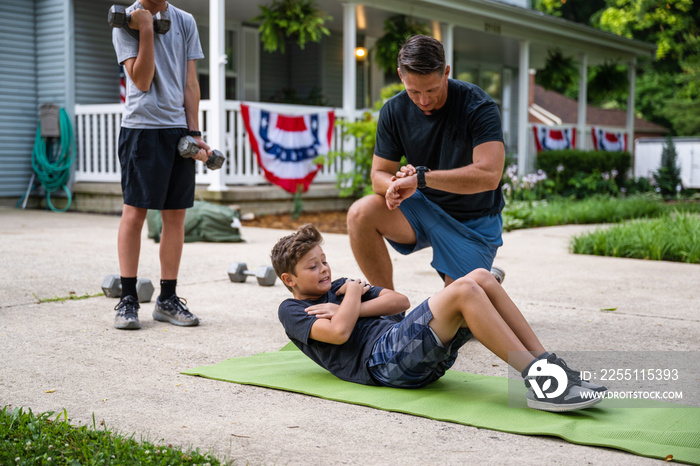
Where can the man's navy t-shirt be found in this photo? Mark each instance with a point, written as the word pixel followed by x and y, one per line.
pixel 442 141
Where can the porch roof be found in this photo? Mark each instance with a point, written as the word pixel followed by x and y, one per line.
pixel 485 29
pixel 566 109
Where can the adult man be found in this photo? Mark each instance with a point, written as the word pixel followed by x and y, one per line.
pixel 162 103
pixel 448 196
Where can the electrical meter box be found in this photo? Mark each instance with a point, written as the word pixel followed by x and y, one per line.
pixel 49 118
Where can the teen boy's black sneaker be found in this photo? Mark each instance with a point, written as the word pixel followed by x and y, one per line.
pixel 574 397
pixel 174 310
pixel 127 317
pixel 575 376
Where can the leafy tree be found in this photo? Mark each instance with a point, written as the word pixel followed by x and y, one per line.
pixel 577 11
pixel 668 87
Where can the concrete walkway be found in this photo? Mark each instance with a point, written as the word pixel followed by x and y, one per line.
pixel 66 354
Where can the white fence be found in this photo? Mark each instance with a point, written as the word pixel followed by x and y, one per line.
pixel 97 132
pixel 647 158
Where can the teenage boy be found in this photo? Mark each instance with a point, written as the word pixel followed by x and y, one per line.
pixel 162 102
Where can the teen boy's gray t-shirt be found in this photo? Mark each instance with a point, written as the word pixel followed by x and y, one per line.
pixel 163 105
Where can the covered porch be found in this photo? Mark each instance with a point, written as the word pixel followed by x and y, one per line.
pixel 493 44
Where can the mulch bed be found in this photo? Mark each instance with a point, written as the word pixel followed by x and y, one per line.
pixel 326 222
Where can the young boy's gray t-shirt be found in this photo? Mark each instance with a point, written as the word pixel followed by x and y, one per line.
pixel 163 105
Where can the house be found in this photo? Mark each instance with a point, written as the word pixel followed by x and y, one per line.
pixel 551 108
pixel 557 111
pixel 60 51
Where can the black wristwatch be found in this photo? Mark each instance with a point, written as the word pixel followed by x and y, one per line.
pixel 194 133
pixel 420 173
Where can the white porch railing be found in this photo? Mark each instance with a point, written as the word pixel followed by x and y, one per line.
pixel 97 131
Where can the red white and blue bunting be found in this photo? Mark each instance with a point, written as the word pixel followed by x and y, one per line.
pixel 286 145
pixel 547 138
pixel 613 141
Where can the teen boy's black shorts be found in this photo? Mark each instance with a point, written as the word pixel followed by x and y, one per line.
pixel 154 175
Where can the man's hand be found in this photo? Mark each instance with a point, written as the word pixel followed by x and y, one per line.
pixel 204 150
pixel 323 310
pixel 401 188
pixel 359 284
pixel 405 171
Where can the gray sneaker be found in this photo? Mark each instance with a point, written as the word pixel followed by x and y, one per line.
pixel 174 310
pixel 499 273
pixel 127 317
pixel 575 376
pixel 574 397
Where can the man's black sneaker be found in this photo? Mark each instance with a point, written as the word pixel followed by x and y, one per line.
pixel 174 310
pixel 575 376
pixel 574 397
pixel 498 273
pixel 127 317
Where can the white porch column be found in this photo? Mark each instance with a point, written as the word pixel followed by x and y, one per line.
pixel 632 77
pixel 349 61
pixel 523 104
pixel 582 101
pixel 448 35
pixel 216 121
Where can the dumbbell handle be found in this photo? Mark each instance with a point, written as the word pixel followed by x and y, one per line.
pixel 187 147
pixel 118 17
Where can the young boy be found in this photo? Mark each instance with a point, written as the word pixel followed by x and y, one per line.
pixel 344 326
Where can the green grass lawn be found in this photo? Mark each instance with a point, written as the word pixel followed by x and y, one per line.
pixel 645 226
pixel 600 209
pixel 47 439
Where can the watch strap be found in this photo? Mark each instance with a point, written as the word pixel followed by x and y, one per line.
pixel 420 174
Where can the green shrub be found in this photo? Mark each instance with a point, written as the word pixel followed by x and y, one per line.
pixel 668 177
pixel 580 174
pixel 354 180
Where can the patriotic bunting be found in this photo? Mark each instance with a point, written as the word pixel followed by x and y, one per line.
pixel 547 138
pixel 122 85
pixel 286 145
pixel 613 141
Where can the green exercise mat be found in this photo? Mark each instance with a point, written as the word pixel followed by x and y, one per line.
pixel 479 401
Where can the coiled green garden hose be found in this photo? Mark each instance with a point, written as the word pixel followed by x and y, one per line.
pixel 52 160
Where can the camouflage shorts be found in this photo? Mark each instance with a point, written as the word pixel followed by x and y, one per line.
pixel 409 354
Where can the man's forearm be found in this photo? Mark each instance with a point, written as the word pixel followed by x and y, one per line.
pixel 464 180
pixel 380 182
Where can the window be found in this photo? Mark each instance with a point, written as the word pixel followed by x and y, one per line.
pixel 231 69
